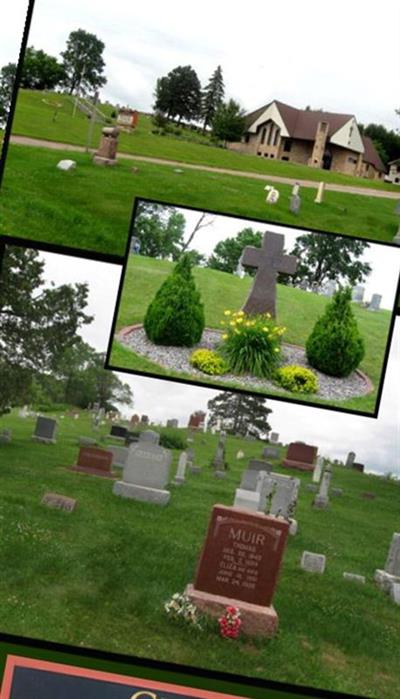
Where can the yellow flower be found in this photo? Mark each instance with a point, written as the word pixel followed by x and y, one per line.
pixel 225 336
pixel 227 313
pixel 231 322
pixel 265 329
pixel 276 349
pixel 247 323
pixel 239 320
pixel 241 313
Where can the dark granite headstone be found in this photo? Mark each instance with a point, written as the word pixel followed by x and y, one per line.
pixel 96 462
pixel 45 430
pixel 301 456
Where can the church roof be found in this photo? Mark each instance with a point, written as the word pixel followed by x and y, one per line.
pixel 302 123
pixel 371 155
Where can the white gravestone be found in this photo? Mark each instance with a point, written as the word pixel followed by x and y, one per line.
pixel 313 562
pixel 321 500
pixel 390 575
pixel 316 477
pixel 353 577
pixel 146 472
pixel 181 470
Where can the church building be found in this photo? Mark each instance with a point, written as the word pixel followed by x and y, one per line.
pixel 316 138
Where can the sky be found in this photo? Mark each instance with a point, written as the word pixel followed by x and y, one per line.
pixel 375 441
pixel 346 60
pixel 384 260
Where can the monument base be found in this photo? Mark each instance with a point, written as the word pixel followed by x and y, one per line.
pixel 320 502
pixel 385 580
pixel 247 499
pixel 141 493
pixel 256 620
pixel 99 160
pixel 293 527
pixel 300 465
pixel 178 481
pixel 43 440
pixel 92 471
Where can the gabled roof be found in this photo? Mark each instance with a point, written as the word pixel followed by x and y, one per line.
pixel 302 123
pixel 371 155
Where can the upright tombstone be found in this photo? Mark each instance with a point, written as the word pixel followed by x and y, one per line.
pixel 269 261
pixel 390 575
pixel 358 467
pixel 295 204
pixel 94 461
pixel 250 475
pixel 358 293
pixel 135 419
pixel 144 420
pixel 196 420
pixel 127 119
pixel 274 438
pixel 279 495
pixel 119 455
pixel 45 430
pixel 316 477
pixel 181 470
pixel 375 302
pixel 321 500
pixel 239 566
pixel 320 193
pixel 118 432
pixel 191 466
pixel 146 472
pixel 107 152
pixel 301 456
pixel 218 462
pixel 172 423
pixel 270 452
pixel 329 288
pixel 350 459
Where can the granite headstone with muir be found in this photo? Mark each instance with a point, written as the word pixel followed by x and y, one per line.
pixel 239 566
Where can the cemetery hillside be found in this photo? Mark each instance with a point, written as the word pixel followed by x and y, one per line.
pixel 222 293
pixel 179 165
pixel 82 566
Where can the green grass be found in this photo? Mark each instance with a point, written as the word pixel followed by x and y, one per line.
pixel 99 577
pixel 297 310
pixel 91 207
pixel 34 118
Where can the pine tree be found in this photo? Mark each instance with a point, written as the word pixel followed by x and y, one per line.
pixel 212 97
pixel 240 413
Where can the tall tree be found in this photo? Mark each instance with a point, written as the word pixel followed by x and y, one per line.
pixel 160 230
pixel 7 78
pixel 240 413
pixel 83 62
pixel 212 97
pixel 178 94
pixel 328 257
pixel 227 253
pixel 37 324
pixel 41 71
pixel 229 122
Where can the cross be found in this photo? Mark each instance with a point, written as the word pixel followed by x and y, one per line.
pixel 268 260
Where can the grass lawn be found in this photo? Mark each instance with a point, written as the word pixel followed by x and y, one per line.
pixel 34 118
pixel 91 207
pixel 98 577
pixel 297 310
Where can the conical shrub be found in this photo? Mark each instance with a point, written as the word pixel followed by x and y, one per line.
pixel 176 314
pixel 335 345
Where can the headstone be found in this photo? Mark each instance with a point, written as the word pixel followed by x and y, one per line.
pixel 249 476
pixel 119 455
pixel 146 472
pixel 358 467
pixel 23 412
pixel 274 437
pixel 144 420
pixel 135 419
pixel 5 436
pixel 181 470
pixel 239 566
pixel 268 261
pixel 86 442
pixel 107 152
pixel 357 294
pixel 45 430
pixel 320 193
pixel 375 302
pixel 280 495
pixel 395 592
pixel 127 118
pixel 247 499
pixel 301 456
pixel 118 432
pixel 136 244
pixel 352 577
pixel 321 500
pixel 58 502
pixel 313 562
pixel 350 459
pixel 316 477
pixel 218 462
pixel 240 454
pixel 172 423
pixel 329 288
pixel 197 420
pixel 391 573
pixel 94 461
pixel 270 452
pixel 295 204
pixel 66 165
pixel 272 194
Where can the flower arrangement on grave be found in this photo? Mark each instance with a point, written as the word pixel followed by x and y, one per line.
pixel 251 343
pixel 181 608
pixel 297 379
pixel 176 314
pixel 335 345
pixel 209 362
pixel 230 623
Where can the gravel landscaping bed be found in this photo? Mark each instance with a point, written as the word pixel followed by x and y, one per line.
pixel 177 359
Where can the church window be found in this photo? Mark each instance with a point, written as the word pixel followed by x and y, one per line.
pixel 264 131
pixel 277 133
pixel 287 145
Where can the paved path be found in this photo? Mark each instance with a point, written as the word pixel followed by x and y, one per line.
pixel 346 189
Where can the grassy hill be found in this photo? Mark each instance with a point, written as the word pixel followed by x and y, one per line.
pixel 34 118
pixel 298 310
pixel 99 577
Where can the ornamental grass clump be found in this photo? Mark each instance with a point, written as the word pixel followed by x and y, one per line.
pixel 251 343
pixel 335 345
pixel 176 314
pixel 297 379
pixel 209 362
